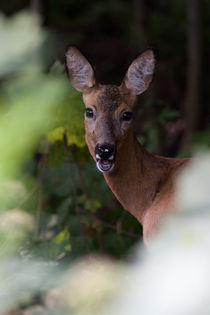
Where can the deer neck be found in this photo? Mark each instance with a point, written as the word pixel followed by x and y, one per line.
pixel 137 178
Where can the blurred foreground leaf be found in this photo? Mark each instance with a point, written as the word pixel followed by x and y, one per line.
pixel 20 38
pixel 28 117
pixel 15 226
pixel 86 288
pixel 19 280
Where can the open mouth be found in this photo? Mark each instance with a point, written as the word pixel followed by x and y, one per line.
pixel 105 165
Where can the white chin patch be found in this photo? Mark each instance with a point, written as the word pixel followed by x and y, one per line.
pixel 105 165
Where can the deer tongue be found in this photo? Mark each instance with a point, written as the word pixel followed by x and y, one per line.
pixel 104 165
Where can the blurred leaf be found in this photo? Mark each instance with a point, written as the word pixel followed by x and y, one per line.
pixel 20 38
pixel 61 237
pixel 26 120
pixel 15 226
pixel 92 205
pixel 56 135
pixel 167 114
pixel 152 134
pixel 60 245
pixel 88 286
pixel 141 139
pixel 21 279
pixel 12 193
pixel 57 68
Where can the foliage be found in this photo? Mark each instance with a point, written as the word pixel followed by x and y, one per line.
pixel 68 116
pixel 55 207
pixel 51 197
pixel 174 273
pixel 15 54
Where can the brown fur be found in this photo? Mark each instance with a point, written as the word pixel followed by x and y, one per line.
pixel 109 97
pixel 142 182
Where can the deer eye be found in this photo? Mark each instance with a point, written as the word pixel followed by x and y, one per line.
pixel 89 112
pixel 126 116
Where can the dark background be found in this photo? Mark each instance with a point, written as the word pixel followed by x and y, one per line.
pixel 171 119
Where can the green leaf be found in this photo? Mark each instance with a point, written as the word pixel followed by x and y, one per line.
pixel 20 39
pixel 69 119
pixel 61 237
pixel 92 205
pixel 167 114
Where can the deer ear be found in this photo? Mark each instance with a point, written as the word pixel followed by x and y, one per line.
pixel 140 72
pixel 80 72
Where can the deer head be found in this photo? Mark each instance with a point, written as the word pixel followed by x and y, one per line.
pixel 108 113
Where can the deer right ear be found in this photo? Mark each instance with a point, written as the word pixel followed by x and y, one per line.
pixel 80 72
pixel 140 73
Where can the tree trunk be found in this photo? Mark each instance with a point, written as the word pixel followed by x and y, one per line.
pixel 138 23
pixel 193 103
pixel 36 6
pixel 41 8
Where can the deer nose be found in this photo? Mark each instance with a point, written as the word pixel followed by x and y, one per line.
pixel 104 152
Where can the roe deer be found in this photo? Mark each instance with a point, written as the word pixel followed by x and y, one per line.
pixel 142 182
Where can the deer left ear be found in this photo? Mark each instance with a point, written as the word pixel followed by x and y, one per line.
pixel 140 73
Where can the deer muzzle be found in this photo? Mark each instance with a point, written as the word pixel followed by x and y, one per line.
pixel 105 156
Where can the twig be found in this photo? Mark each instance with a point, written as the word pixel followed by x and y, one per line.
pixel 81 180
pixel 109 225
pixel 119 223
pixel 41 174
pixel 119 226
pixel 114 228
